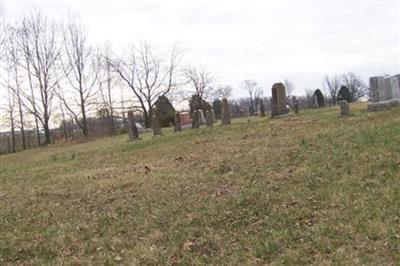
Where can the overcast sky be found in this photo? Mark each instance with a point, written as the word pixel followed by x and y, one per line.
pixel 267 41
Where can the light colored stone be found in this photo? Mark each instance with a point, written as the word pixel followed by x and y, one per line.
pixel 395 85
pixel 133 133
pixel 376 88
pixel 344 108
pixel 387 89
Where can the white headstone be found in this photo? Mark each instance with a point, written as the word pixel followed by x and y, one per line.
pixel 388 89
pixel 376 88
pixel 395 85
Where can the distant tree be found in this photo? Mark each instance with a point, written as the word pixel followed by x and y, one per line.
pixel 289 90
pixel 331 85
pixel 200 79
pixel 148 75
pixel 356 86
pixel 344 94
pixel 166 112
pixel 223 91
pixel 217 106
pixel 255 92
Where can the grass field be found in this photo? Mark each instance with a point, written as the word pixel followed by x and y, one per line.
pixel 313 188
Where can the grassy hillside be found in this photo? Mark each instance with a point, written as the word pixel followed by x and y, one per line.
pixel 313 188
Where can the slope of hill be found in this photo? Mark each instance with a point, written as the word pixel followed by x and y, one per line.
pixel 308 189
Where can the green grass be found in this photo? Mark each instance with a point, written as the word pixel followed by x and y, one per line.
pixel 313 188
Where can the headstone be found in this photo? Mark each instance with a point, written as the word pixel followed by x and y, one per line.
pixel 209 119
pixel 213 115
pixel 177 121
pixel 157 131
pixel 387 89
pixel 261 109
pixel 344 108
pixel 195 119
pixel 202 118
pixel 226 116
pixel 315 101
pixel 295 105
pixel 279 100
pixel 376 88
pixel 395 85
pixel 320 98
pixel 133 133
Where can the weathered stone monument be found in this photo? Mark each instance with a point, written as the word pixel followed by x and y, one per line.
pixel 344 108
pixel 202 118
pixel 133 133
pixel 384 92
pixel 177 122
pixel 279 100
pixel 209 119
pixel 155 123
pixel 261 109
pixel 226 116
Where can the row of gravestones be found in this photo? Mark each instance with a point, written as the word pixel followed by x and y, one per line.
pixel 384 92
pixel 209 119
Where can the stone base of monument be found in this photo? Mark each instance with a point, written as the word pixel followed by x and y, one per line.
pixel 383 105
pixel 281 115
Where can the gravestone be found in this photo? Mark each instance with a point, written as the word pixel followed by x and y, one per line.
pixel 202 119
pixel 344 108
pixel 315 101
pixel 278 101
pixel 213 115
pixel 157 131
pixel 209 119
pixel 387 89
pixel 195 119
pixel 226 116
pixel 384 92
pixel 177 121
pixel 320 98
pixel 261 109
pixel 376 88
pixel 295 105
pixel 133 133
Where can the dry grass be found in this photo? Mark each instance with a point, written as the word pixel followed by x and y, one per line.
pixel 308 189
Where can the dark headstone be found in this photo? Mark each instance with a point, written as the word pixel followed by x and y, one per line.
pixel 261 109
pixel 226 116
pixel 295 105
pixel 133 133
pixel 279 100
pixel 344 94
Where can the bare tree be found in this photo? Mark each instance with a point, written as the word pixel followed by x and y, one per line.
pixel 148 75
pixel 107 85
pixel 41 44
pixel 289 91
pixel 331 86
pixel 81 69
pixel 222 92
pixel 255 92
pixel 200 80
pixel 355 84
pixel 11 114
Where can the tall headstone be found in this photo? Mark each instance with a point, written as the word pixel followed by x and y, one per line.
pixel 177 122
pixel 376 89
pixel 133 133
pixel 320 98
pixel 261 109
pixel 315 101
pixel 279 100
pixel 209 119
pixel 213 115
pixel 226 116
pixel 344 108
pixel 155 122
pixel 195 119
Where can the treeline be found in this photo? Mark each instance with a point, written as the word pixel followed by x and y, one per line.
pixel 59 86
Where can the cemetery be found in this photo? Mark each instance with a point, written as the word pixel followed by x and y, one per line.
pixel 199 132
